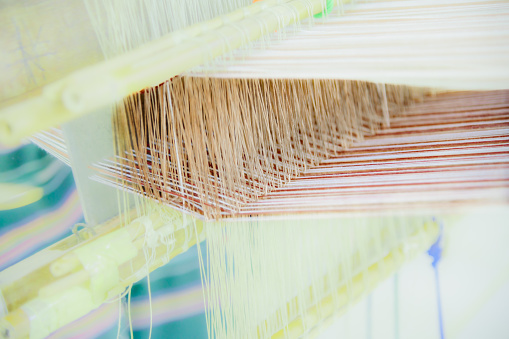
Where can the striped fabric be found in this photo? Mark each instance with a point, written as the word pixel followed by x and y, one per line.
pixel 28 229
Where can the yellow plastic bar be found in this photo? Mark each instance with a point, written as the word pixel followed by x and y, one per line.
pixel 96 86
pixel 90 273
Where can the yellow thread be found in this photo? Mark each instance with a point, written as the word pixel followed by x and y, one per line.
pixel 149 303
pixel 129 311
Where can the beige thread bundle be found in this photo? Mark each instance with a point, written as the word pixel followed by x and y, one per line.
pixel 210 145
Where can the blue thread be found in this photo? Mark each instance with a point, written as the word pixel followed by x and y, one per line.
pixel 435 251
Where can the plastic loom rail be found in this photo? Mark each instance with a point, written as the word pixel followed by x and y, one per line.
pixel 96 86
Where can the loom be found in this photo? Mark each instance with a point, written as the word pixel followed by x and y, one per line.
pixel 372 201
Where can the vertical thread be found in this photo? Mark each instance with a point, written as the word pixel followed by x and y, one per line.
pixel 129 311
pixel 435 251
pixel 149 303
pixel 119 317
pixel 439 302
pixel 369 317
pixel 396 306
